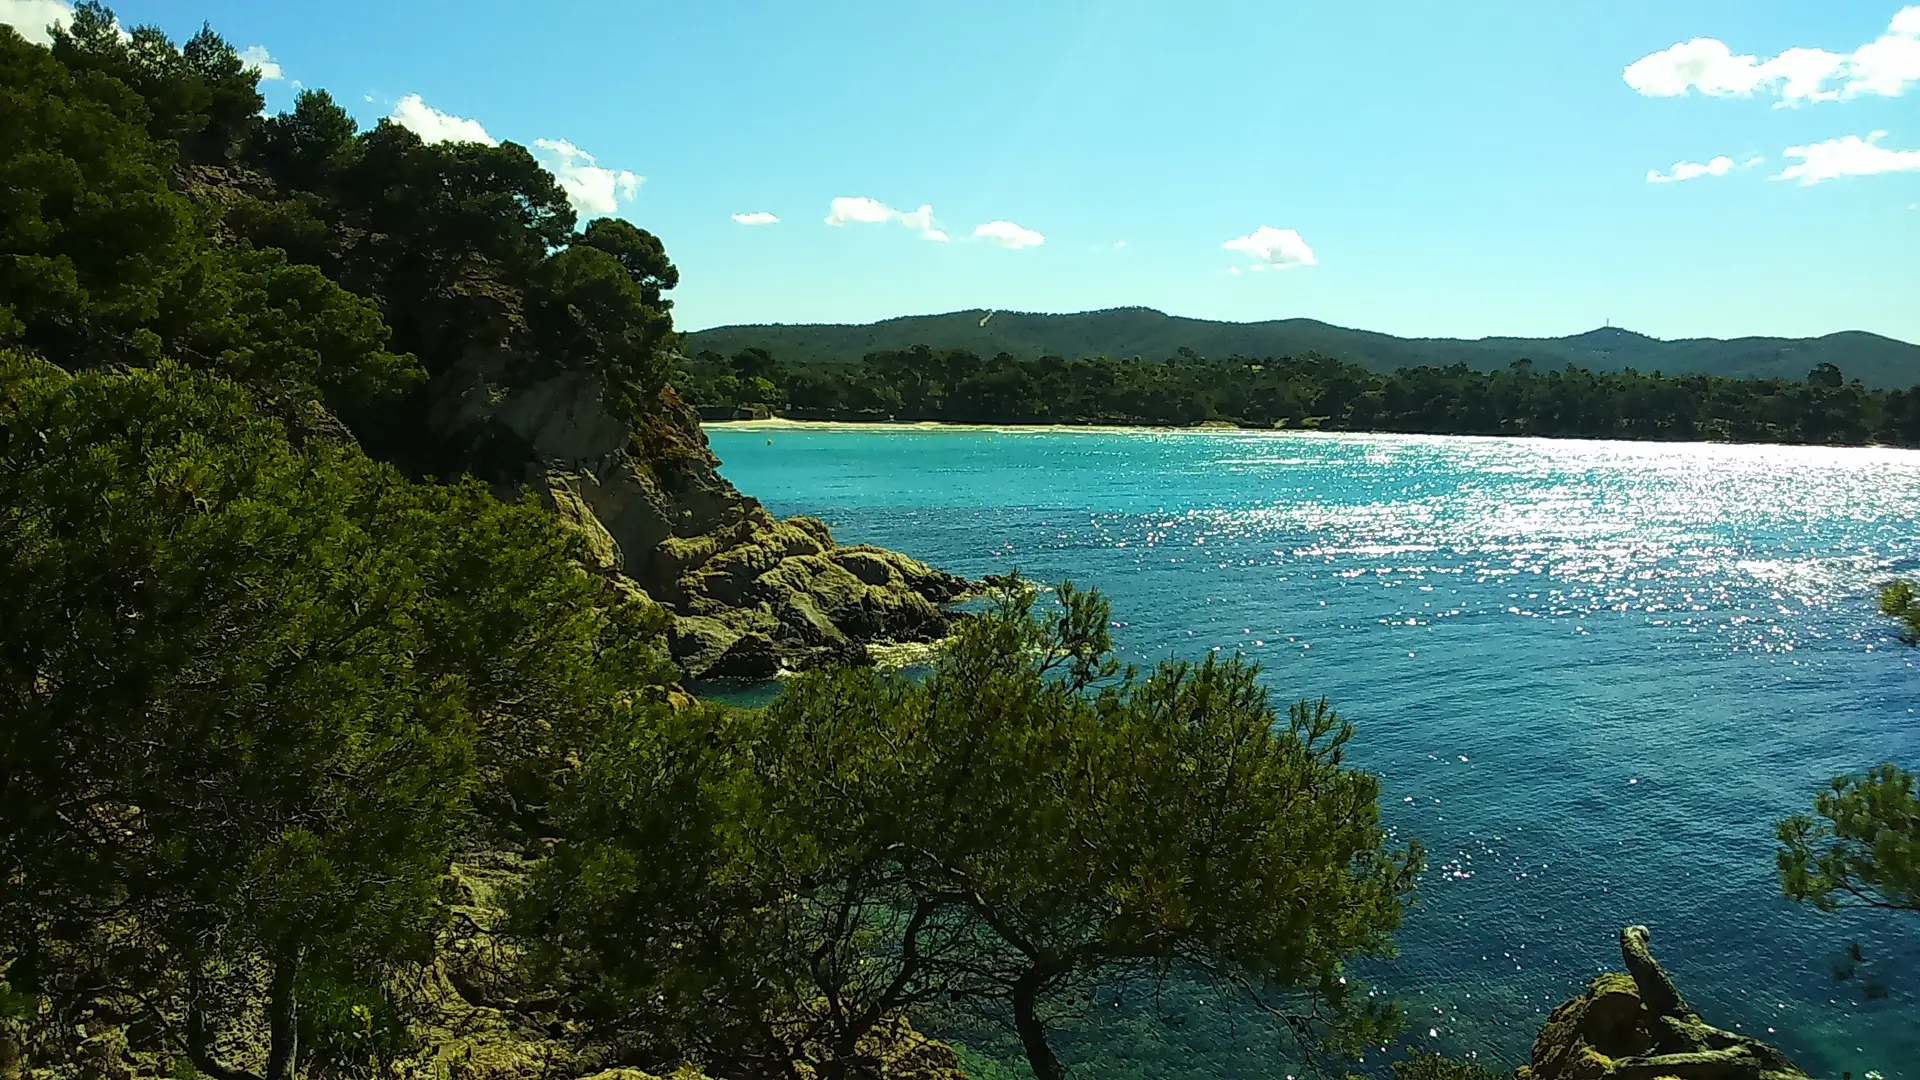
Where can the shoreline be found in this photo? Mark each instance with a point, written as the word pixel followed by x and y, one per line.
pixel 782 423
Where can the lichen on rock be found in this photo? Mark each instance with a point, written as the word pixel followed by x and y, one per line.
pixel 1636 1026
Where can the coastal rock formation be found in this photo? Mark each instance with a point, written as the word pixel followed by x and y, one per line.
pixel 750 594
pixel 1636 1026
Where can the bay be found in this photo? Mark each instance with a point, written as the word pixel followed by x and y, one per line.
pixel 1591 675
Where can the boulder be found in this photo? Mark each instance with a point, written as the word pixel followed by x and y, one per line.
pixel 1636 1026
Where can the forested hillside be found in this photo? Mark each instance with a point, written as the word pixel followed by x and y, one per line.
pixel 1304 392
pixel 1127 333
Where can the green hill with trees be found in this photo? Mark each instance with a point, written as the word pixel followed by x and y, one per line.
pixel 1143 333
pixel 1309 392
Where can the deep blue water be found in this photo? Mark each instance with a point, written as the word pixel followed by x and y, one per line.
pixel 1590 674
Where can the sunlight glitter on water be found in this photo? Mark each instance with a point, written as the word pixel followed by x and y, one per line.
pixel 1621 660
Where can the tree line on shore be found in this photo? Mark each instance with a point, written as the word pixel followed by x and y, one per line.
pixel 1306 393
pixel 274 666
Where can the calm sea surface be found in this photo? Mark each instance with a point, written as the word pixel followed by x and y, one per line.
pixel 1590 674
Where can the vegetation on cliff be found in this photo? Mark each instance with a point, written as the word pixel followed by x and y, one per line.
pixel 325 743
pixel 1308 391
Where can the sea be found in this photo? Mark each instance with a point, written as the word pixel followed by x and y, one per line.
pixel 1590 675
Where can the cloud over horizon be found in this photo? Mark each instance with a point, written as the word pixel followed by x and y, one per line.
pixel 1847 156
pixel 1693 170
pixel 860 210
pixel 1886 67
pixel 1008 235
pixel 592 189
pixel 1271 248
pixel 757 217
pixel 434 126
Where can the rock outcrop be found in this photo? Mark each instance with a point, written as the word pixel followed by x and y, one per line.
pixel 750 594
pixel 1636 1026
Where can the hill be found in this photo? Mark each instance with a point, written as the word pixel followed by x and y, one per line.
pixel 1127 332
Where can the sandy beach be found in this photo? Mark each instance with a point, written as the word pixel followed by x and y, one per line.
pixel 785 424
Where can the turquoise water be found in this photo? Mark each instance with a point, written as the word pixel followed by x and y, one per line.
pixel 1590 674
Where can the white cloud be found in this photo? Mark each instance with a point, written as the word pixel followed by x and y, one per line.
pixel 1233 271
pixel 1008 235
pixel 860 210
pixel 920 221
pixel 1848 156
pixel 1891 62
pixel 1118 244
pixel 592 189
pixel 758 217
pixel 1885 66
pixel 257 58
pixel 1689 170
pixel 434 126
pixel 32 17
pixel 1693 170
pixel 1271 247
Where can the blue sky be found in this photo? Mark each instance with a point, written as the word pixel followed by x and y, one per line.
pixel 1463 169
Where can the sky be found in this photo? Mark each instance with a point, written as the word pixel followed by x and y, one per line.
pixel 1684 168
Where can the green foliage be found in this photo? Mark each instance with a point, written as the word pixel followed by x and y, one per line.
pixel 1025 819
pixel 201 98
pixel 1865 848
pixel 1312 391
pixel 350 1028
pixel 593 315
pixel 105 264
pixel 305 148
pixel 1900 602
pixel 639 253
pixel 251 694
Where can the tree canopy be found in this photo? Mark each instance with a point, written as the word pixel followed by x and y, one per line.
pixel 1024 821
pixel 254 693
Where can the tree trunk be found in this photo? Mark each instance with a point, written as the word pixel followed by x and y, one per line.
pixel 282 1020
pixel 200 1046
pixel 1033 1034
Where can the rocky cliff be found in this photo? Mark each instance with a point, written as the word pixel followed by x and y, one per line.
pixel 750 594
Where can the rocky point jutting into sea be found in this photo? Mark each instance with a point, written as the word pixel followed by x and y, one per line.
pixel 750 594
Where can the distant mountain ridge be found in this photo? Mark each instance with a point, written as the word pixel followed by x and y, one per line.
pixel 1124 332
